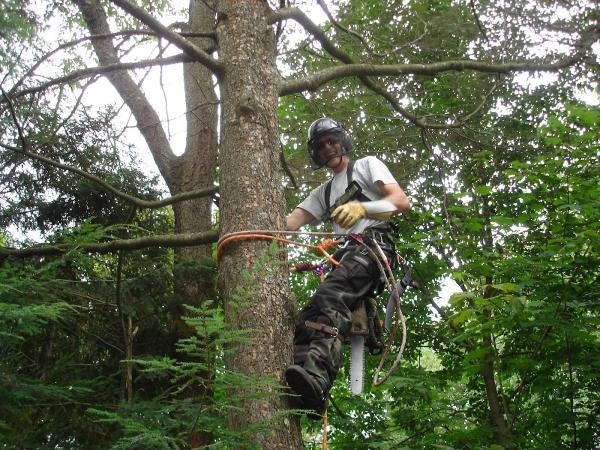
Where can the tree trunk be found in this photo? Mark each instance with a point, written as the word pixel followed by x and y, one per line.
pixel 503 433
pixel 499 418
pixel 195 169
pixel 256 293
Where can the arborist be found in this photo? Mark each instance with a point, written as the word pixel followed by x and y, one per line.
pixel 360 198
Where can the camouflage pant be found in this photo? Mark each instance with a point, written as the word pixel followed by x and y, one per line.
pixel 357 277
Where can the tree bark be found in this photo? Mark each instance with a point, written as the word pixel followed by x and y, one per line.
pixel 195 168
pixel 252 197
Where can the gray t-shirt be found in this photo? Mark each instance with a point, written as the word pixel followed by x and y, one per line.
pixel 367 171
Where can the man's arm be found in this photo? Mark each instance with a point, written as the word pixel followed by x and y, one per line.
pixel 298 218
pixel 394 194
pixel 394 201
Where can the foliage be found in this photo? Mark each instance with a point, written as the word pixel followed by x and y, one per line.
pixel 63 356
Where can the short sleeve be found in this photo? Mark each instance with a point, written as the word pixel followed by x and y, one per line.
pixel 378 171
pixel 315 204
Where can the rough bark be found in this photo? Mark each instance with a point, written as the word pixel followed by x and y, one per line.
pixel 252 197
pixel 195 169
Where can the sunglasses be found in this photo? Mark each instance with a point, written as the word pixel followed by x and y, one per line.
pixel 320 145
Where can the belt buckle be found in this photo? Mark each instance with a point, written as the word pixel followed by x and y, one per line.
pixel 378 236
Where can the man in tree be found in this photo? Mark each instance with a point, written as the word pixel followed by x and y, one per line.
pixel 325 320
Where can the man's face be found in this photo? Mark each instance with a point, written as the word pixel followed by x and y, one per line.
pixel 329 146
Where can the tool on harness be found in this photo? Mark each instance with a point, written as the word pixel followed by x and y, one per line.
pixel 358 195
pixel 365 329
pixel 351 192
pixel 401 286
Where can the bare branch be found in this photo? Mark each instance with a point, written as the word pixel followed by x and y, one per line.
pixel 15 119
pixel 286 167
pixel 123 33
pixel 318 79
pixel 164 240
pixel 148 121
pixel 477 21
pixel 141 203
pixel 92 71
pixel 196 53
pixel 339 26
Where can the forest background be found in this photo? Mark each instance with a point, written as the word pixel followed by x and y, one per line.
pixel 119 330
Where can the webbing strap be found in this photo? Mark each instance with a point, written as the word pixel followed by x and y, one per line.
pixel 349 175
pixel 332 331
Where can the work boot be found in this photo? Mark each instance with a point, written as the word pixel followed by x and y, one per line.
pixel 312 395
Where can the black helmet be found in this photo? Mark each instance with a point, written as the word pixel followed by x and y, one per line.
pixel 323 126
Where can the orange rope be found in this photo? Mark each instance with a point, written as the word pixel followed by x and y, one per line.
pixel 325 430
pixel 325 245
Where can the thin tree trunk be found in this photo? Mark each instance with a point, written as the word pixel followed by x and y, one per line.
pixel 498 417
pixel 256 292
pixel 193 169
pixel 503 432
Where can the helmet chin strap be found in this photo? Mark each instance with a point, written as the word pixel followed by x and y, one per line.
pixel 341 156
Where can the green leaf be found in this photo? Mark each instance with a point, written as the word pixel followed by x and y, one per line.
pixel 483 190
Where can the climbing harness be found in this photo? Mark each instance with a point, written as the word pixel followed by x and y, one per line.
pixel 365 324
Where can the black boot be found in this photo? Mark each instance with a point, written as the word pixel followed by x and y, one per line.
pixel 313 396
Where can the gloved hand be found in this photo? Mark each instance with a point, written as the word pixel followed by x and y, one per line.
pixel 347 214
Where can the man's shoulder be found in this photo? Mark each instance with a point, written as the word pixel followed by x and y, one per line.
pixel 366 162
pixel 320 189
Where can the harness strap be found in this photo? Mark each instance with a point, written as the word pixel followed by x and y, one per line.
pixel 332 331
pixel 349 175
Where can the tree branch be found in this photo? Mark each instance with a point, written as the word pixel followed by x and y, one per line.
pixel 66 45
pixel 141 203
pixel 363 71
pixel 339 26
pixel 176 39
pixel 164 240
pixel 318 79
pixel 92 71
pixel 148 121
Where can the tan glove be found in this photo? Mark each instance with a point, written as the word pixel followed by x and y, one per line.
pixel 347 214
